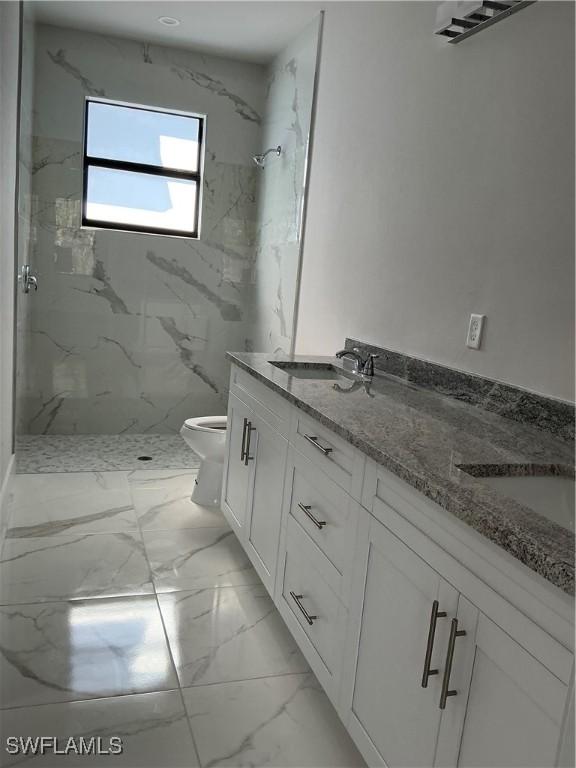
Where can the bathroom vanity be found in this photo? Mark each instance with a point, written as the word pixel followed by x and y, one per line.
pixel 435 611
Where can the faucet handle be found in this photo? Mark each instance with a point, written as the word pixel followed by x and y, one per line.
pixel 368 368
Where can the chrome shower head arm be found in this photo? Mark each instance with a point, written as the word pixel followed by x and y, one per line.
pixel 260 159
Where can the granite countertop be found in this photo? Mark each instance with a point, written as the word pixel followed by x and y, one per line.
pixel 425 438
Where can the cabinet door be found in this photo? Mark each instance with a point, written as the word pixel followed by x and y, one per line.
pixel 237 471
pixel 268 453
pixel 508 707
pixel 393 719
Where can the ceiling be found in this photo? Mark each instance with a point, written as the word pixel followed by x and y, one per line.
pixel 253 31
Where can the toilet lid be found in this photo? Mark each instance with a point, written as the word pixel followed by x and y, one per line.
pixel 207 423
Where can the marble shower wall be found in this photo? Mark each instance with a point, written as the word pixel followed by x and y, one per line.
pixel 128 331
pixel 288 112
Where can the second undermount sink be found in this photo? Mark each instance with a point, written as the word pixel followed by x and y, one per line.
pixel 314 371
pixel 552 496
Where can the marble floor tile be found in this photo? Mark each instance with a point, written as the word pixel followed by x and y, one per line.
pixel 167 504
pixel 160 478
pixel 225 634
pixel 197 557
pixel 55 652
pixel 153 727
pixel 275 721
pixel 53 485
pixel 83 502
pixel 80 566
pixel 85 453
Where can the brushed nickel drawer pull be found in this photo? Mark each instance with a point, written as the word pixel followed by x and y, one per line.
pixel 249 430
pixel 297 598
pixel 454 633
pixel 306 509
pixel 314 440
pixel 434 615
pixel 243 449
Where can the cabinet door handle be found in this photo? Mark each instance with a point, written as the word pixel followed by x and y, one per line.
pixel 454 633
pixel 297 598
pixel 243 449
pixel 249 430
pixel 306 509
pixel 434 615
pixel 314 440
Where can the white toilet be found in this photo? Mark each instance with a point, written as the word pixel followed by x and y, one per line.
pixel 206 436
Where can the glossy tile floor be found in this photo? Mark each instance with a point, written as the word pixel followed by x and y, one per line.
pixel 127 610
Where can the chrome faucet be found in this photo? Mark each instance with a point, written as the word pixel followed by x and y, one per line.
pixel 365 367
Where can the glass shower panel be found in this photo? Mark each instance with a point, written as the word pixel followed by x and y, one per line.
pixel 282 184
pixel 26 233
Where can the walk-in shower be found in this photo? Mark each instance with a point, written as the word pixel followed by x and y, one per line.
pixel 127 333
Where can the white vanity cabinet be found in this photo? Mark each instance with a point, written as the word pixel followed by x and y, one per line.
pixel 237 471
pixel 504 706
pixel 315 561
pixel 500 685
pixel 394 602
pixel 508 709
pixel 252 487
pixel 265 503
pixel 398 601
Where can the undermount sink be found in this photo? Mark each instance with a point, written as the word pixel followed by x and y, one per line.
pixel 550 495
pixel 314 371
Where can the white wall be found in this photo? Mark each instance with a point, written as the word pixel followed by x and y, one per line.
pixel 9 52
pixel 442 184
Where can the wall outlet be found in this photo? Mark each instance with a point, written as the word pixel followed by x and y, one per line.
pixel 475 331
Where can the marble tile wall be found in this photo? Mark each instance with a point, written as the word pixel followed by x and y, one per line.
pixel 128 331
pixel 288 112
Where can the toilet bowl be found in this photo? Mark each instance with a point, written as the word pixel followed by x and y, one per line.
pixel 206 436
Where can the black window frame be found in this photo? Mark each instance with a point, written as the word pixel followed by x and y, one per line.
pixel 154 170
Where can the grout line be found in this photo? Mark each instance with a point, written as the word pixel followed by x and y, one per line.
pixel 74 600
pixel 246 680
pixel 170 653
pixel 96 698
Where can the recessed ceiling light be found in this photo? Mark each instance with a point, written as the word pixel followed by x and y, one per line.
pixel 169 21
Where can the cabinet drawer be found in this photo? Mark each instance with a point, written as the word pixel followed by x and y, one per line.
pixel 337 458
pixel 311 596
pixel 322 509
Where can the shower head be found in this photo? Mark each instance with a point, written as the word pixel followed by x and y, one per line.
pixel 261 159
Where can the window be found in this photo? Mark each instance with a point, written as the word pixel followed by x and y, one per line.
pixel 142 169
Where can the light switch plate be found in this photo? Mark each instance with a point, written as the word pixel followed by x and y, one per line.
pixel 475 331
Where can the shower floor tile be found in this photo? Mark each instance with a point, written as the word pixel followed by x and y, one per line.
pixel 102 453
